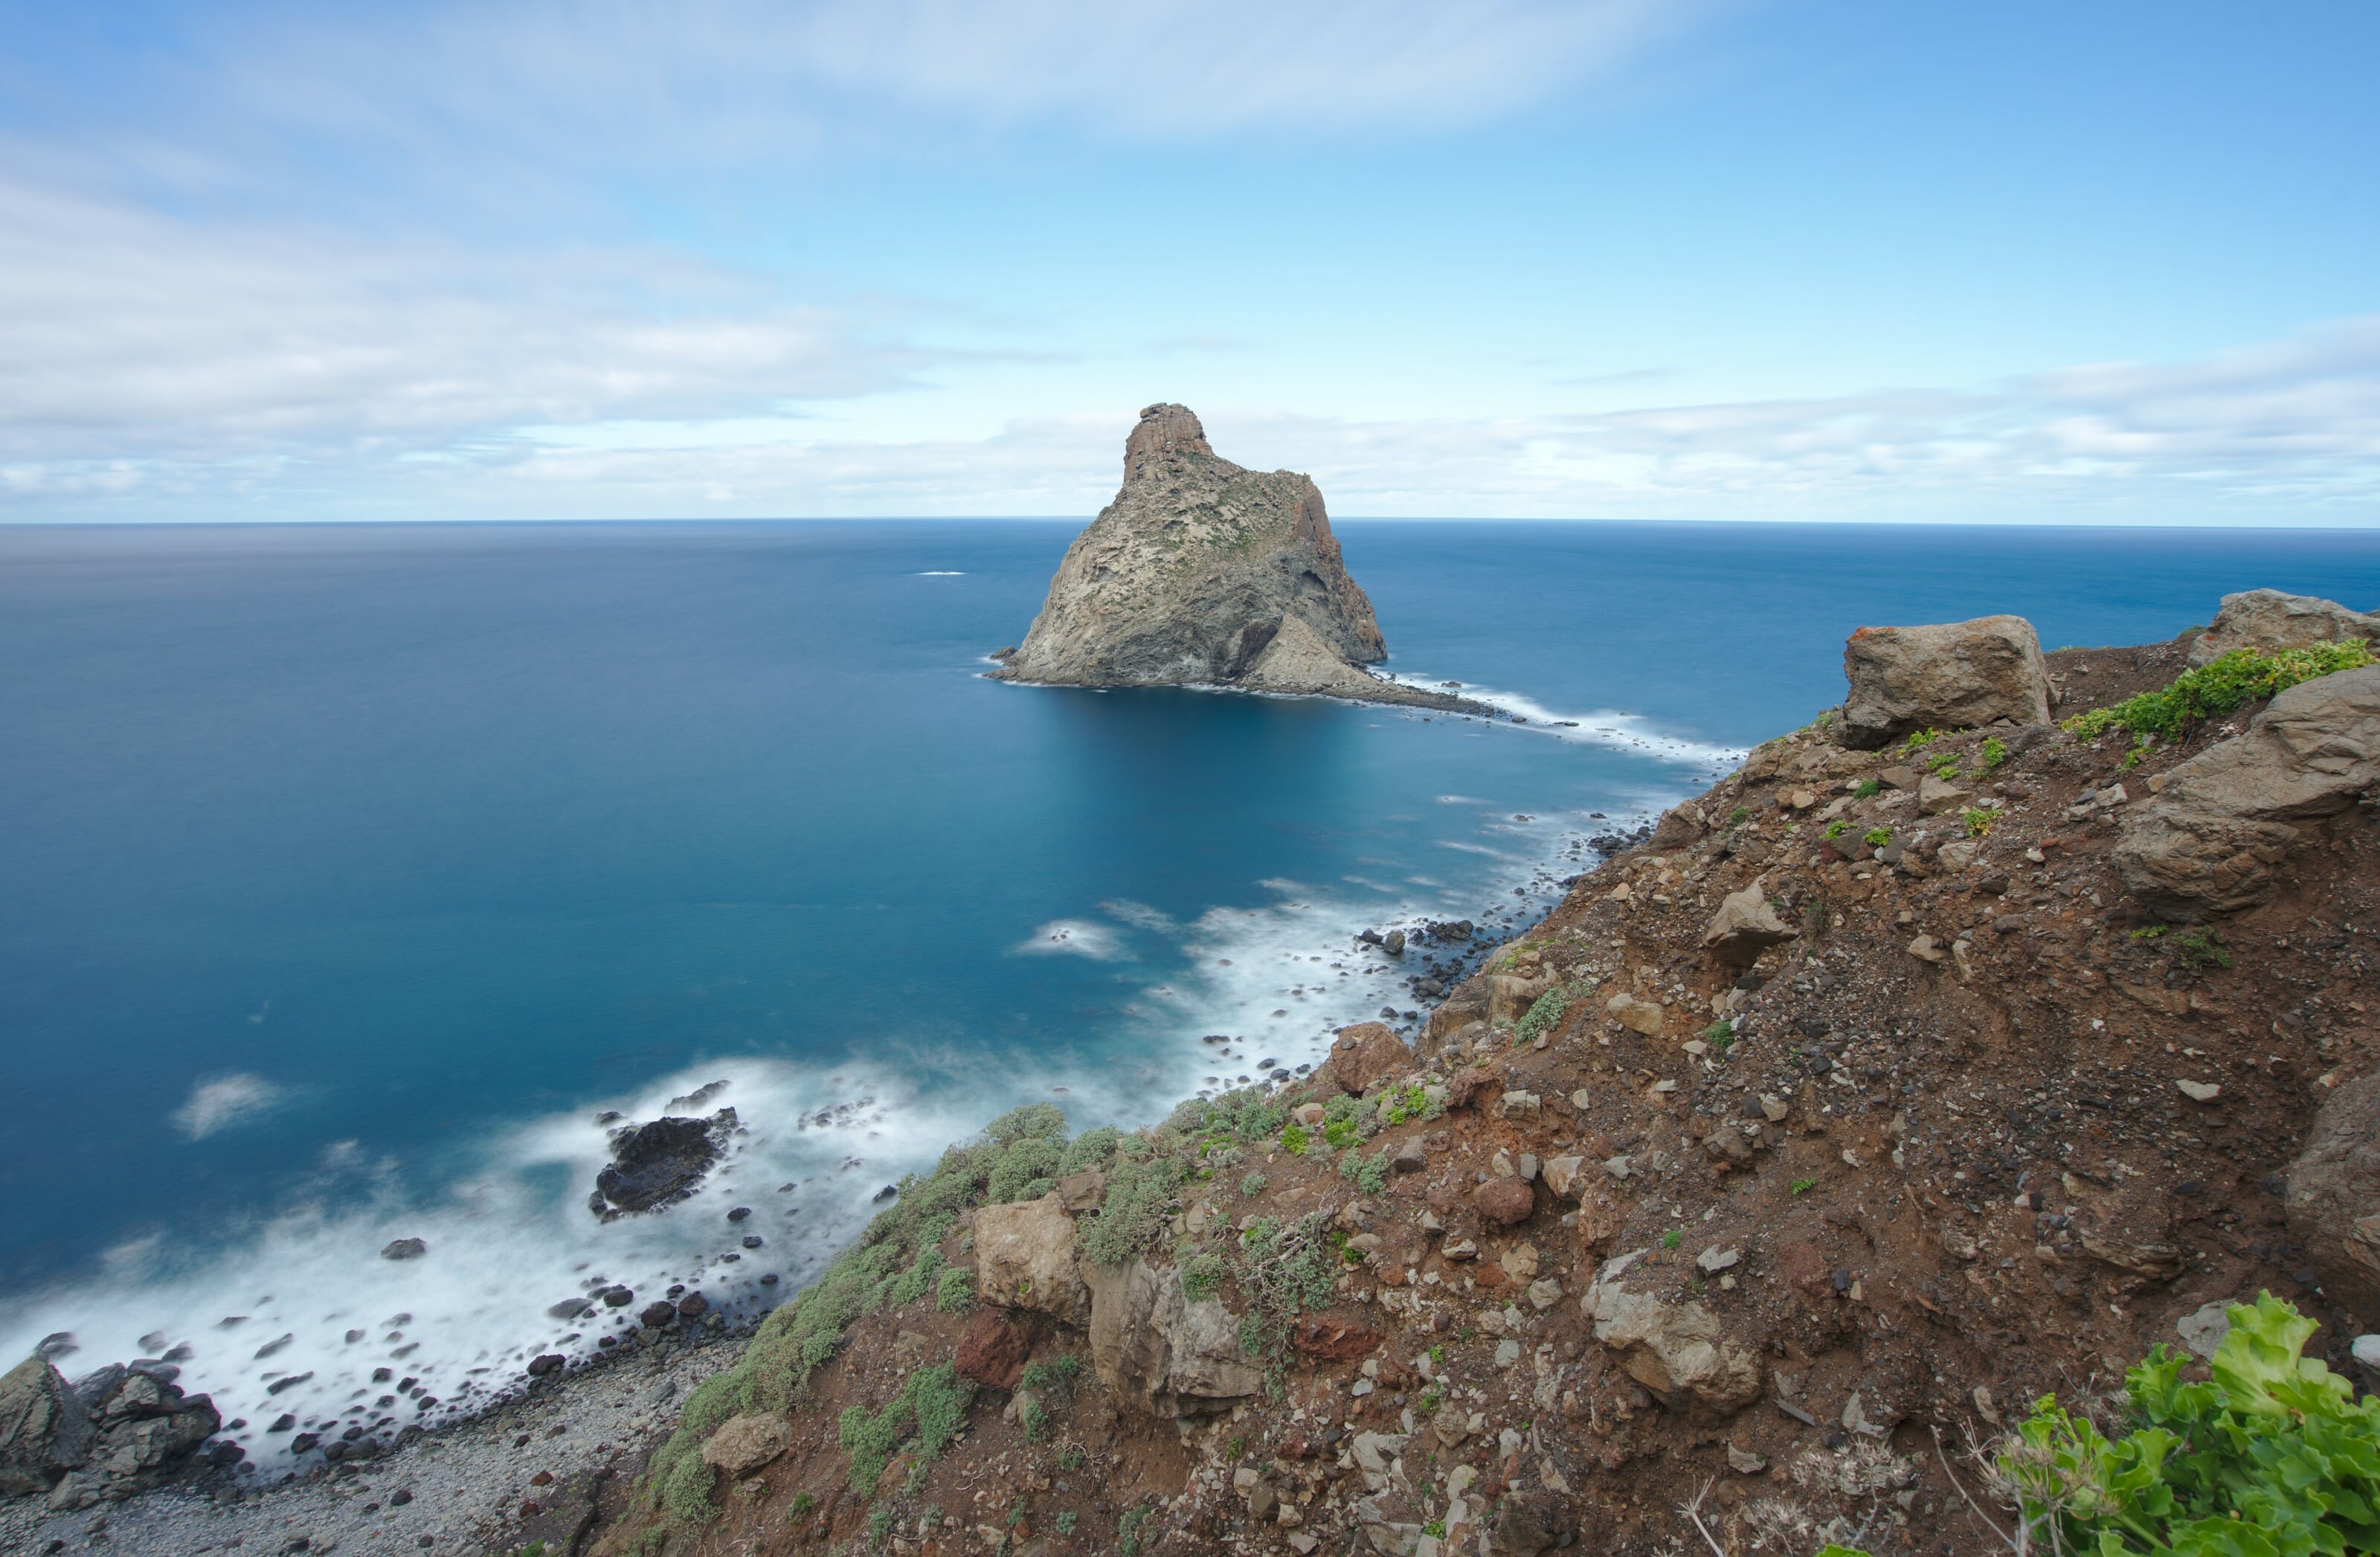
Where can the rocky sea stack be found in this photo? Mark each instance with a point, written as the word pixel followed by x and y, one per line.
pixel 1201 573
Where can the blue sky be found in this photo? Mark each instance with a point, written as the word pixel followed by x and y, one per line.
pixel 2101 263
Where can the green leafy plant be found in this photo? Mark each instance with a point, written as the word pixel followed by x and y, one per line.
pixel 1294 1140
pixel 1990 755
pixel 2202 948
pixel 1943 764
pixel 1672 1238
pixel 1063 1522
pixel 1876 837
pixel 930 1407
pixel 1802 1185
pixel 1128 1528
pixel 1720 1035
pixel 1071 1457
pixel 1738 817
pixel 2210 691
pixel 1867 789
pixel 1978 821
pixel 1835 829
pixel 1139 1199
pixel 880 1525
pixel 2271 1455
pixel 1544 1013
pixel 1368 1174
pixel 802 1506
pixel 1254 1183
pixel 1919 738
pixel 955 1290
pixel 1202 1276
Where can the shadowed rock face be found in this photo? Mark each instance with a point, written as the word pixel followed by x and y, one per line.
pixel 1197 571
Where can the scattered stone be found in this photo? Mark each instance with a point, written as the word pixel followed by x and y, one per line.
pixel 745 1444
pixel 1745 926
pixel 404 1248
pixel 1504 1200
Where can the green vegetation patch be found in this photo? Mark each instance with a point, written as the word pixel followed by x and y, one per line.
pixel 2210 691
pixel 1544 1014
pixel 930 1408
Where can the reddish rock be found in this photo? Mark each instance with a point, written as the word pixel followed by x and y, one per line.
pixel 1506 1200
pixel 1333 1339
pixel 1363 1056
pixel 992 1351
pixel 693 1306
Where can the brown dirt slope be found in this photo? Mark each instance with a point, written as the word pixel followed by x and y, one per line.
pixel 1940 1161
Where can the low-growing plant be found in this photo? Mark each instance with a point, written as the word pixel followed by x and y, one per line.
pixel 1876 837
pixel 1835 829
pixel 2272 1454
pixel 1739 816
pixel 1920 738
pixel 880 1525
pixel 1128 1528
pixel 1063 1521
pixel 954 1290
pixel 1368 1174
pixel 2211 691
pixel 802 1506
pixel 1943 764
pixel 1990 755
pixel 1071 1457
pixel 1544 1013
pixel 1253 1184
pixel 1802 1185
pixel 1202 1276
pixel 1672 1238
pixel 931 1407
pixel 2202 948
pixel 1294 1140
pixel 1054 1379
pixel 1867 789
pixel 1139 1199
pixel 1978 821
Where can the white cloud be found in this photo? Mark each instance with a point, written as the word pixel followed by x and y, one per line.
pixel 224 1101
pixel 752 77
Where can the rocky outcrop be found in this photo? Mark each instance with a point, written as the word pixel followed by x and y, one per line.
pixel 1363 1056
pixel 1952 676
pixel 1201 573
pixel 2267 620
pixel 655 1164
pixel 2334 1195
pixel 743 1445
pixel 1025 1259
pixel 1162 1353
pixel 1678 1350
pixel 118 1431
pixel 2212 839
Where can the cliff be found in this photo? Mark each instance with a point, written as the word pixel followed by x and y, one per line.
pixel 1202 573
pixel 1868 1099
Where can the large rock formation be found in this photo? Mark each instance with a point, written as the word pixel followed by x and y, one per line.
pixel 118 1431
pixel 2334 1195
pixel 2213 838
pixel 2267 620
pixel 1201 573
pixel 1952 676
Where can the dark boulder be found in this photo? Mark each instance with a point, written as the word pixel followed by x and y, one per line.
pixel 659 1163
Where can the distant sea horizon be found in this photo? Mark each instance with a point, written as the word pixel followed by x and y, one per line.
pixel 359 866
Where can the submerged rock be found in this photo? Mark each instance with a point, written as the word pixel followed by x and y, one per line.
pixel 1201 573
pixel 657 1163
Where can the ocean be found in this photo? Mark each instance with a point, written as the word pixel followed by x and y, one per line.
pixel 354 871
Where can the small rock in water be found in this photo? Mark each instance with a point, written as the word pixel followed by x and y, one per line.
pixel 548 1362
pixel 617 1297
pixel 888 1192
pixel 272 1346
pixel 57 1344
pixel 354 1336
pixel 404 1248
pixel 751 1240
pixel 739 1213
pixel 1393 942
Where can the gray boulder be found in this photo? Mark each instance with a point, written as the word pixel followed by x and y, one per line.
pixel 2212 839
pixel 1162 1353
pixel 1952 676
pixel 2267 620
pixel 1745 926
pixel 1201 573
pixel 2334 1195
pixel 45 1430
pixel 1679 1351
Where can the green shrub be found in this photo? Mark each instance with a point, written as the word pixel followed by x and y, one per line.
pixel 1991 754
pixel 1867 789
pixel 1090 1150
pixel 1139 1199
pixel 923 1275
pixel 932 1405
pixel 1920 738
pixel 1064 1523
pixel 1543 1014
pixel 1978 821
pixel 1835 829
pixel 954 1290
pixel 1411 1102
pixel 1876 837
pixel 1202 1276
pixel 1254 1183
pixel 1368 1174
pixel 1294 1140
pixel 2274 1453
pixel 2210 691
pixel 686 1492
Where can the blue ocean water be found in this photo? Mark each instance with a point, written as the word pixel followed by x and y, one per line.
pixel 353 869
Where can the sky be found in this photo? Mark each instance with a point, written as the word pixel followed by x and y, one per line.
pixel 2111 263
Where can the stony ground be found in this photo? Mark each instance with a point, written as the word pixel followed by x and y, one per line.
pixel 462 1490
